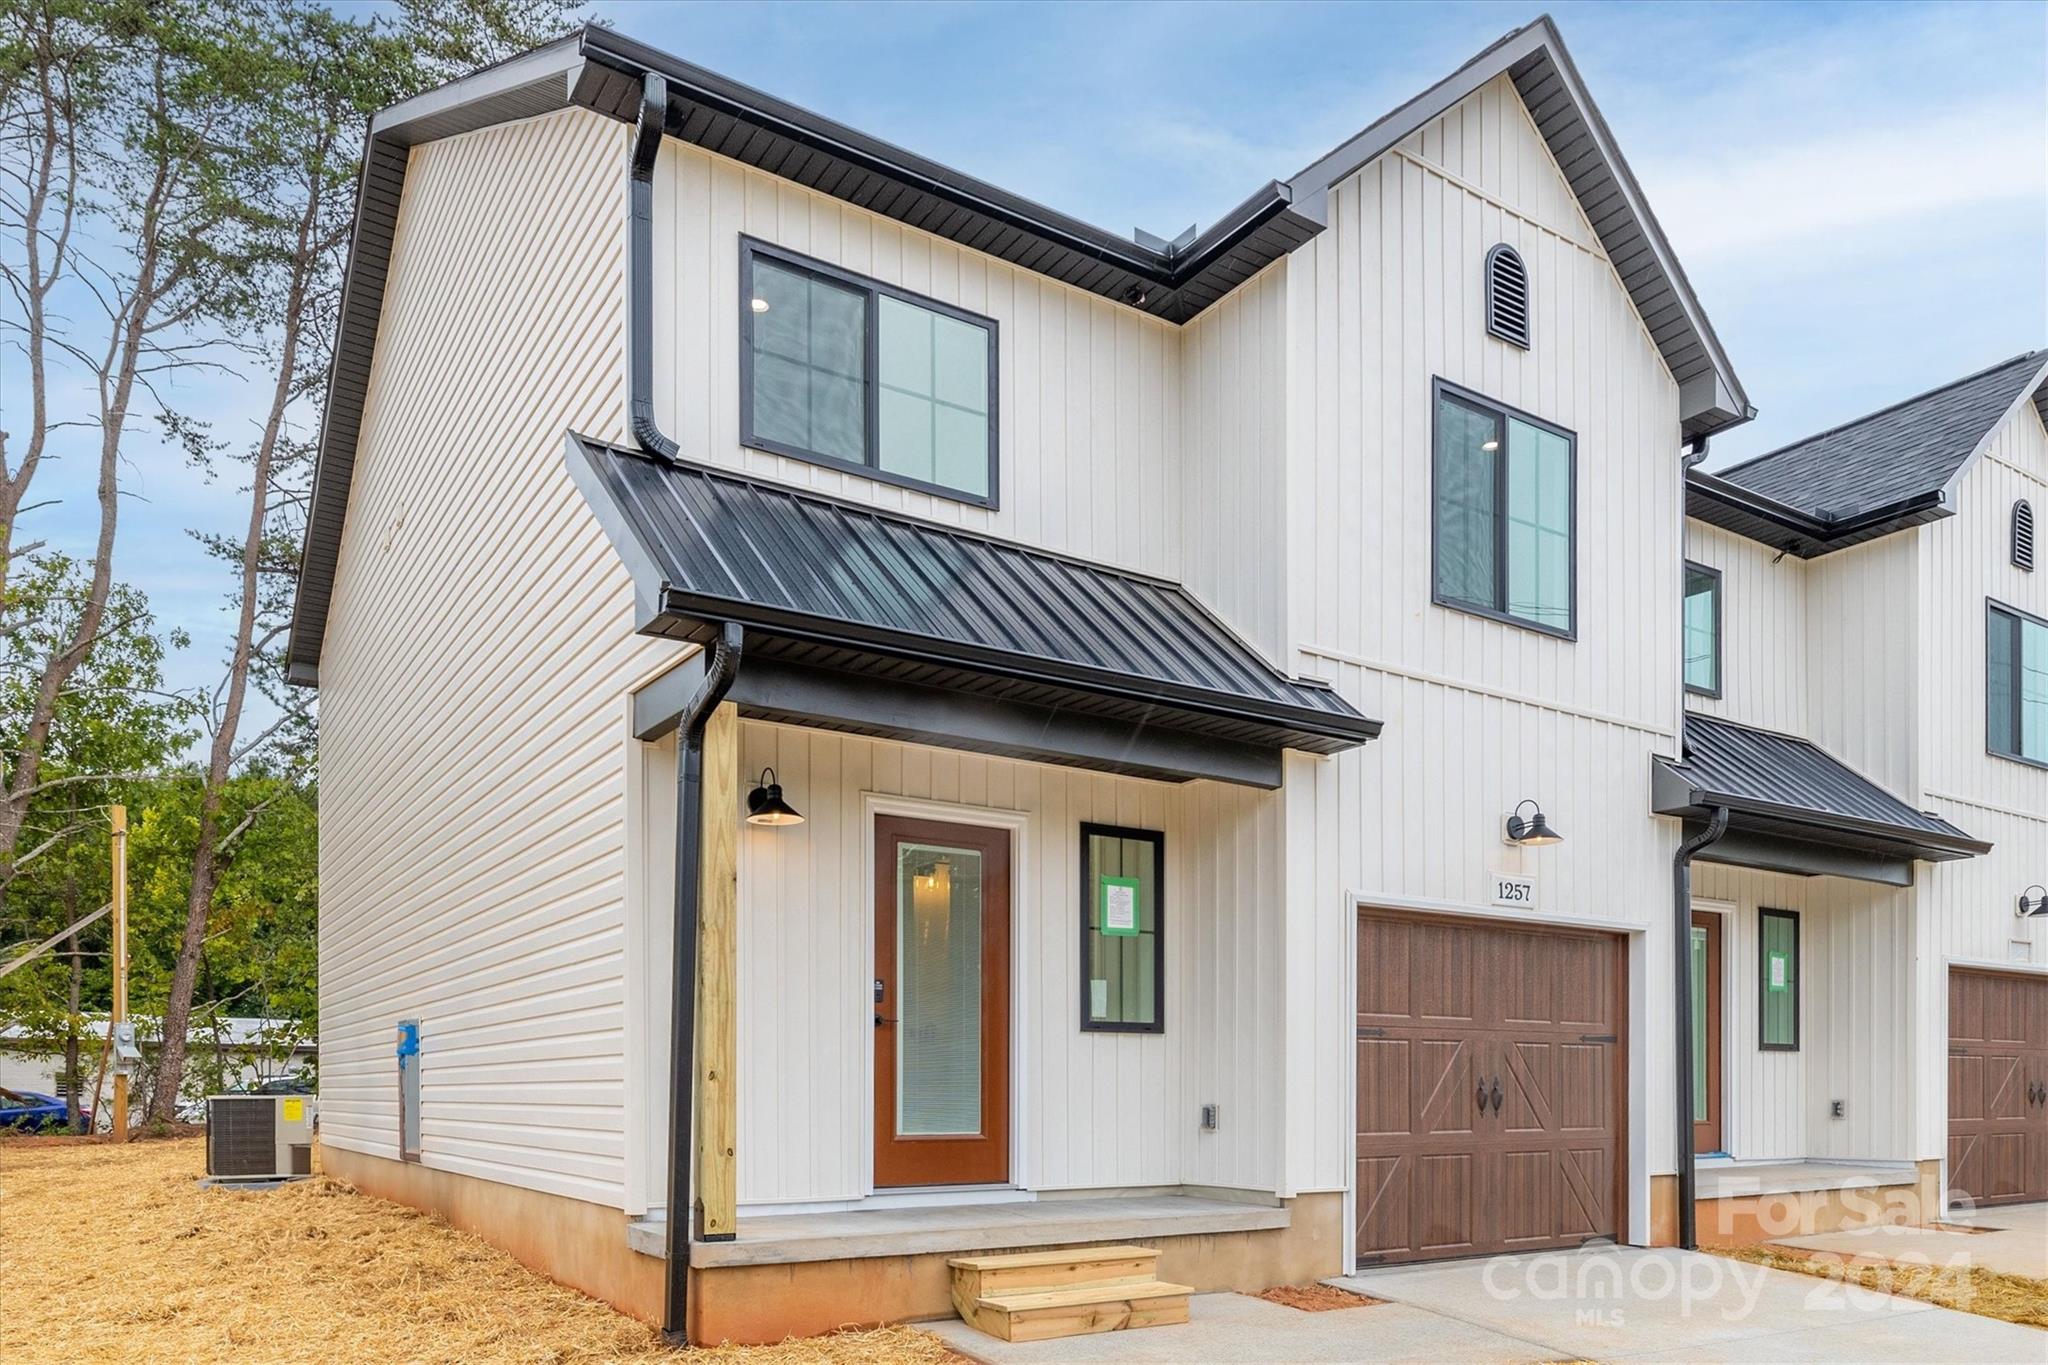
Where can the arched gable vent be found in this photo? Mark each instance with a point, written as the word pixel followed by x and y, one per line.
pixel 2023 534
pixel 1507 296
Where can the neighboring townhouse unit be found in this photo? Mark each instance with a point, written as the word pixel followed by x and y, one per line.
pixel 1876 591
pixel 865 720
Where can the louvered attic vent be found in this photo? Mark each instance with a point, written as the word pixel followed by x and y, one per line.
pixel 2023 534
pixel 1507 296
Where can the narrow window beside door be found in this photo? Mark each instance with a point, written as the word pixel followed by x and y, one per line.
pixel 1123 945
pixel 1778 988
pixel 1504 524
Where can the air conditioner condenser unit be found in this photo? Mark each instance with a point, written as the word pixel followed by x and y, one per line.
pixel 259 1137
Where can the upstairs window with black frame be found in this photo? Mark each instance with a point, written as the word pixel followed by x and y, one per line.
pixel 2016 684
pixel 1702 630
pixel 1123 944
pixel 842 370
pixel 1777 1028
pixel 1504 522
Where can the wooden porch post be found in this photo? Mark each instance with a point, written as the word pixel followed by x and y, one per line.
pixel 717 969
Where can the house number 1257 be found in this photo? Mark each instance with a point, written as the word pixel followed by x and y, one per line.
pixel 1514 891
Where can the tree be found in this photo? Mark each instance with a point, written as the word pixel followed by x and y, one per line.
pixel 126 174
pixel 112 733
pixel 327 76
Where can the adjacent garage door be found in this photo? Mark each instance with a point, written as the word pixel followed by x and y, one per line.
pixel 1997 1087
pixel 1490 1086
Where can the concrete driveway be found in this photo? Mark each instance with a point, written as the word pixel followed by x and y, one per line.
pixel 2012 1239
pixel 1607 1304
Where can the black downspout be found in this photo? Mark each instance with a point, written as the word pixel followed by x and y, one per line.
pixel 682 1219
pixel 1681 915
pixel 647 135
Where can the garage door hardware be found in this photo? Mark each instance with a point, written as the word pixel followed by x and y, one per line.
pixel 1598 1038
pixel 1482 1096
pixel 1372 1033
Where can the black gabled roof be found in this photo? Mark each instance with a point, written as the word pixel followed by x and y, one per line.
pixel 1788 784
pixel 800 567
pixel 1877 474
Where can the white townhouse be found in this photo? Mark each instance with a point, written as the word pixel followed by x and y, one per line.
pixel 866 720
pixel 1873 597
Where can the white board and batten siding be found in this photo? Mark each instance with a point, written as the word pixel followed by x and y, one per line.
pixel 477 655
pixel 1088 408
pixel 1479 714
pixel 1967 907
pixel 1090 1110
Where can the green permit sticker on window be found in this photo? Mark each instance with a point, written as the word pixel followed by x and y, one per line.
pixel 1778 973
pixel 1117 906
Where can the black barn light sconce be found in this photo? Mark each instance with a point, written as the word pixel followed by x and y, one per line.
pixel 765 805
pixel 1534 832
pixel 2037 904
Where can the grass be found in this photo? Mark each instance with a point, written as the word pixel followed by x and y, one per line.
pixel 1971 1289
pixel 116 1253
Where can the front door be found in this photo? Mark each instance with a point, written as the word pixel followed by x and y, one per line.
pixel 942 1003
pixel 1706 1032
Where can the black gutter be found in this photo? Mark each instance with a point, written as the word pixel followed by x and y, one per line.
pixel 1823 533
pixel 647 134
pixel 683 1226
pixel 1934 845
pixel 1681 929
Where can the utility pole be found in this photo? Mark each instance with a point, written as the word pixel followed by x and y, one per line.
pixel 120 899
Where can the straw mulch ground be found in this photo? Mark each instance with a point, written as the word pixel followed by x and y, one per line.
pixel 1315 1298
pixel 1988 1293
pixel 114 1253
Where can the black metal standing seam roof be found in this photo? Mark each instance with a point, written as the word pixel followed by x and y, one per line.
pixel 1765 772
pixel 801 566
pixel 1905 451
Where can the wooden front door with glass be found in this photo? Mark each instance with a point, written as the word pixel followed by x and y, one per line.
pixel 942 1003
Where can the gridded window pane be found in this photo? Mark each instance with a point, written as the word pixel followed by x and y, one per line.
pixel 1467 451
pixel 2001 664
pixel 2034 690
pixel 1121 939
pixel 1539 526
pixel 1778 932
pixel 938 970
pixel 809 362
pixel 934 404
pixel 1702 628
pixel 2016 686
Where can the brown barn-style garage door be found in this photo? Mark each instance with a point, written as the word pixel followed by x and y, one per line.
pixel 1997 1087
pixel 1490 1086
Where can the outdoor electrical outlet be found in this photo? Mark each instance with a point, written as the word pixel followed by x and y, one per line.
pixel 1209 1113
pixel 1836 1109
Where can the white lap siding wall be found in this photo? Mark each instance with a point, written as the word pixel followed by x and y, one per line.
pixel 476 660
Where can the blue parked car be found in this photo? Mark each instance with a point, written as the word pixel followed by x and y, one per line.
pixel 28 1109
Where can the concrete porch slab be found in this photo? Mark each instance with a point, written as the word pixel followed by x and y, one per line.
pixel 1736 1181
pixel 789 1238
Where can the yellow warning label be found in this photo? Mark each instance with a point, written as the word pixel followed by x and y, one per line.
pixel 294 1111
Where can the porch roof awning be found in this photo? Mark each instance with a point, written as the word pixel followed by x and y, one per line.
pixel 828 586
pixel 1794 807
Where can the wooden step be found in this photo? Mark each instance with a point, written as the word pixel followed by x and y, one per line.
pixel 976 1277
pixel 1080 1309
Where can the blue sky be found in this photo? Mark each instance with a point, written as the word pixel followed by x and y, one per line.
pixel 1859 193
